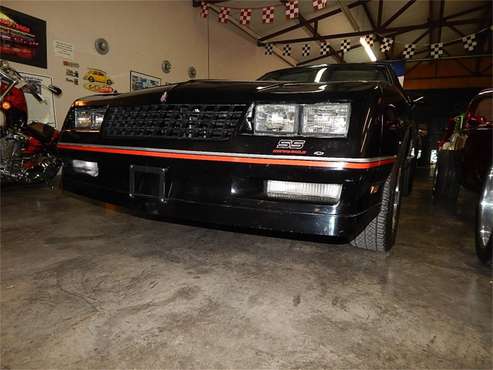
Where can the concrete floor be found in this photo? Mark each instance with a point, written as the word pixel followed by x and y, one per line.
pixel 86 286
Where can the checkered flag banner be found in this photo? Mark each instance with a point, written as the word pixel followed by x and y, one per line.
pixel 204 9
pixel 470 42
pixel 292 9
pixel 319 4
pixel 370 39
pixel 436 50
pixel 345 45
pixel 324 48
pixel 305 50
pixel 409 51
pixel 268 14
pixel 386 44
pixel 286 50
pixel 269 49
pixel 223 15
pixel 245 16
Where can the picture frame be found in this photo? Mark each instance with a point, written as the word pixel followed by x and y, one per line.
pixel 22 38
pixel 139 81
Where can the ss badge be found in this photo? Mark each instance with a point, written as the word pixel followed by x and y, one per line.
pixel 290 144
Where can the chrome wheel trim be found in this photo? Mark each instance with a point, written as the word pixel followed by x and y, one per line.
pixel 397 200
pixel 485 222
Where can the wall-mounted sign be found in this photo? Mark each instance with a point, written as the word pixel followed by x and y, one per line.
pixel 98 81
pixel 139 81
pixel 22 38
pixel 63 49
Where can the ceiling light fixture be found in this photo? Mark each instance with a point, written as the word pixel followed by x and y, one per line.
pixel 368 49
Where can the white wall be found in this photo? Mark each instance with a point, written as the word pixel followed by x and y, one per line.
pixel 141 35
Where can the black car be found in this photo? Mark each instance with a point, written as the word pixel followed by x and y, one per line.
pixel 312 150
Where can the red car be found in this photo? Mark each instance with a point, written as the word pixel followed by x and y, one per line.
pixel 466 160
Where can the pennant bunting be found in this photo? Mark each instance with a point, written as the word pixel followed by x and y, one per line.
pixel 268 14
pixel 386 44
pixel 325 48
pixel 370 39
pixel 409 51
pixel 286 50
pixel 470 42
pixel 305 50
pixel 245 16
pixel 223 15
pixel 319 4
pixel 345 45
pixel 292 9
pixel 436 50
pixel 204 9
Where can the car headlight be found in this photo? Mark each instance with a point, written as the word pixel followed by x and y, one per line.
pixel 277 119
pixel 331 119
pixel 89 118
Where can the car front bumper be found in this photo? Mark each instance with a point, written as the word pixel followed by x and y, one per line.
pixel 202 191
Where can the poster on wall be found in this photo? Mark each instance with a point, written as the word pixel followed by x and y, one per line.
pixel 22 38
pixel 139 81
pixel 40 111
pixel 98 81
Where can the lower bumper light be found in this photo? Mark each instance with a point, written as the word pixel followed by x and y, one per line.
pixel 85 167
pixel 307 191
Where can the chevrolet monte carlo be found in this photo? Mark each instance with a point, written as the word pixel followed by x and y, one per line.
pixel 318 150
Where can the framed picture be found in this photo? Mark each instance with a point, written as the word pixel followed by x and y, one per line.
pixel 139 81
pixel 40 111
pixel 22 38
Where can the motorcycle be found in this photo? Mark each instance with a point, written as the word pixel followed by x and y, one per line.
pixel 27 150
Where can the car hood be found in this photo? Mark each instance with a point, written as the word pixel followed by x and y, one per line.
pixel 244 92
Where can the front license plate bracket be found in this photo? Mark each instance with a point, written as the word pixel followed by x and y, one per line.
pixel 147 182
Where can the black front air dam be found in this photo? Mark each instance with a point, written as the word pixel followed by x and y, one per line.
pixel 258 214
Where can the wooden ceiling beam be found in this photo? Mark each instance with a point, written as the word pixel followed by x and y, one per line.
pixel 380 13
pixel 370 17
pixel 397 14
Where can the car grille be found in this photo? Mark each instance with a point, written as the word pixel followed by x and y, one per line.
pixel 173 121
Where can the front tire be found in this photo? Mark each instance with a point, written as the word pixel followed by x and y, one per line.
pixel 446 183
pixel 380 233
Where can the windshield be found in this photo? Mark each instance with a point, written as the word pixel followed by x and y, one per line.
pixel 335 72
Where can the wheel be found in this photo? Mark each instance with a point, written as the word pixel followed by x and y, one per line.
pixel 91 79
pixel 484 221
pixel 446 183
pixel 408 177
pixel 109 82
pixel 380 233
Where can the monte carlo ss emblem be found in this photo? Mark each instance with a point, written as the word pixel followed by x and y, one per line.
pixel 290 144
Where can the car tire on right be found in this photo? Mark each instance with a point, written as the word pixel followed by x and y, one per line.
pixel 380 233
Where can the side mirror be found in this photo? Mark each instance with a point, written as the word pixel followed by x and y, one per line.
pixel 55 90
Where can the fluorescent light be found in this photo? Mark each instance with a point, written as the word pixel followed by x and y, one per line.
pixel 368 49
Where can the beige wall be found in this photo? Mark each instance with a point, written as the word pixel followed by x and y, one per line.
pixel 141 34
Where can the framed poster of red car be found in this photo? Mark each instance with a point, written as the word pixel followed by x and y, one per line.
pixel 22 38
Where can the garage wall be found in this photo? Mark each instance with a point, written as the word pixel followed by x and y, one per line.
pixel 141 35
